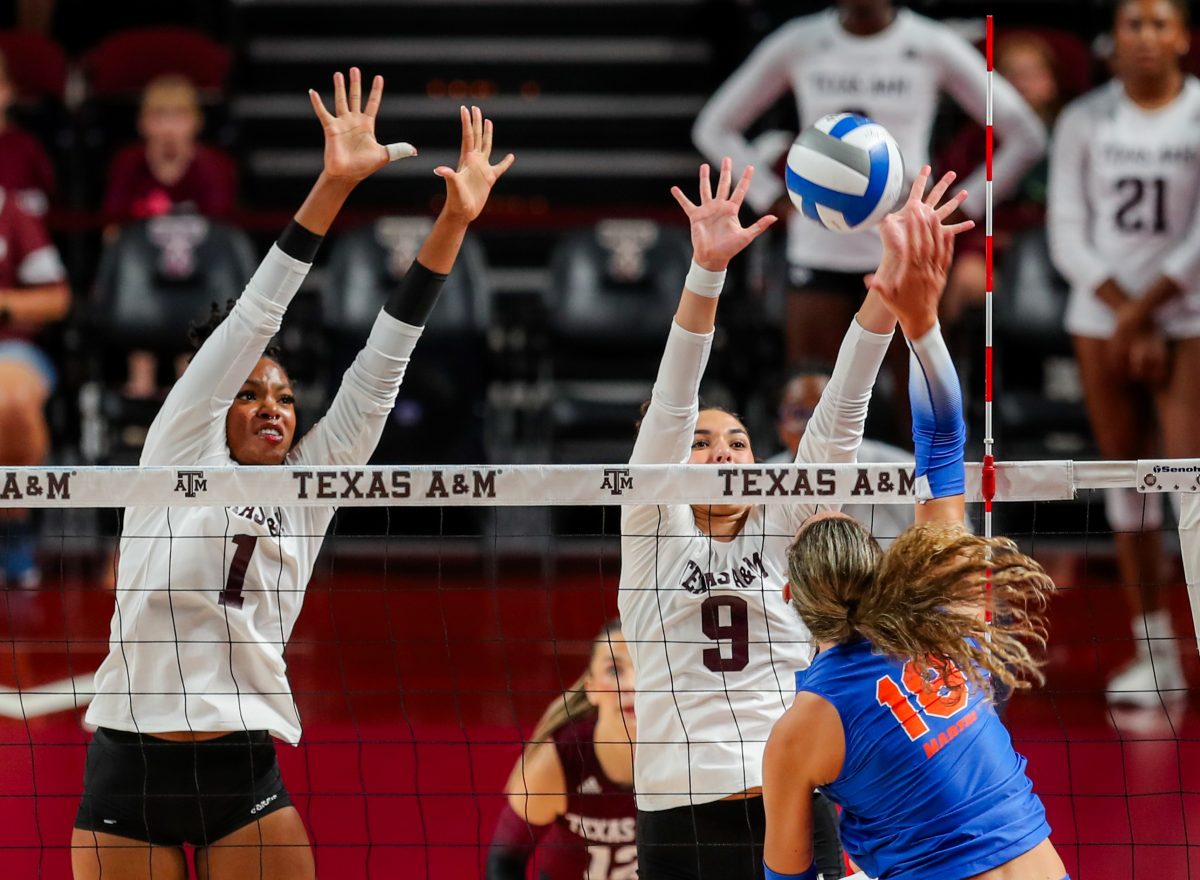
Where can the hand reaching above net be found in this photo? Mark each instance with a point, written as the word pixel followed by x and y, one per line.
pixel 717 233
pixel 351 151
pixel 469 185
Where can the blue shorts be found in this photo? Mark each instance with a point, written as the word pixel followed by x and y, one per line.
pixel 33 357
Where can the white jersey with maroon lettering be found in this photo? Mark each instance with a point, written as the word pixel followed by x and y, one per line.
pixel 207 597
pixel 714 645
pixel 896 77
pixel 1124 203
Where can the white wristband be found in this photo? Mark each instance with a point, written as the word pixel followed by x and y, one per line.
pixel 704 282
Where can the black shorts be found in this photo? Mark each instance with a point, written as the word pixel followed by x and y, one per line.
pixel 171 793
pixel 723 840
pixel 802 279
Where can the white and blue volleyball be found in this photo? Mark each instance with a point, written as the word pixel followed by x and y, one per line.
pixel 845 172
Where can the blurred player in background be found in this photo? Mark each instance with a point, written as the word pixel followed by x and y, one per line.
pixel 195 686
pixel 570 795
pixel 714 645
pixel 33 294
pixel 801 394
pixel 894 719
pixel 1125 231
pixel 892 65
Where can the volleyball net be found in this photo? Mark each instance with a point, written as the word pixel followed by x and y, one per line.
pixel 451 605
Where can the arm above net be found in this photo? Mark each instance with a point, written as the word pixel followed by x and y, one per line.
pixel 355 420
pixel 191 422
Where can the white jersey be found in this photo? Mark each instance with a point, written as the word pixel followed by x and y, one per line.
pixel 885 521
pixel 714 645
pixel 1123 204
pixel 895 77
pixel 207 597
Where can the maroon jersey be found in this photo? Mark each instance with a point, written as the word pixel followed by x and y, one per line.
pixel 134 193
pixel 27 256
pixel 595 838
pixel 25 169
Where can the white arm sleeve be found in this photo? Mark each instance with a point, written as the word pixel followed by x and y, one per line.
pixel 744 97
pixel 1068 213
pixel 835 429
pixel 1020 135
pixel 191 424
pixel 351 428
pixel 665 435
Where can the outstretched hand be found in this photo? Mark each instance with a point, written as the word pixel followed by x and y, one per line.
pixel 351 151
pixel 918 246
pixel 469 185
pixel 717 233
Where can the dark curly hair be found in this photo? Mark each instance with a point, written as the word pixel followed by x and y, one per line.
pixel 199 331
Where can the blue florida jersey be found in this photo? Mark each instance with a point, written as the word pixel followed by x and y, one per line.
pixel 931 787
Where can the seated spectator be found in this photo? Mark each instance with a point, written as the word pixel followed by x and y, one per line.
pixel 33 293
pixel 797 402
pixel 25 169
pixel 1028 62
pixel 169 170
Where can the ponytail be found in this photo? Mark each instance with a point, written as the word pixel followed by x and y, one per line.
pixel 925 597
pixel 574 704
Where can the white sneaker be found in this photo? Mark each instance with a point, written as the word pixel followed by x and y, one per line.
pixel 1148 680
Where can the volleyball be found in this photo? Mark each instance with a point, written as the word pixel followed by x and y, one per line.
pixel 845 172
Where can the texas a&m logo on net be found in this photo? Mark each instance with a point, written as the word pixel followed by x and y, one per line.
pixel 190 483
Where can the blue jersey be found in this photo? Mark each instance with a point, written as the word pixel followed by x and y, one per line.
pixel 931 787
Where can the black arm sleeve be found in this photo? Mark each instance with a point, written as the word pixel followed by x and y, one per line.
pixel 513 844
pixel 413 300
pixel 298 243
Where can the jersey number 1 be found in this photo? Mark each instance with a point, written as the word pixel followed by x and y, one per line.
pixel 231 596
pixel 940 690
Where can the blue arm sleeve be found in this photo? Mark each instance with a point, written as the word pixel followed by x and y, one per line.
pixel 810 874
pixel 939 433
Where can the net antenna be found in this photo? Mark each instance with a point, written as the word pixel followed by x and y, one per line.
pixel 988 476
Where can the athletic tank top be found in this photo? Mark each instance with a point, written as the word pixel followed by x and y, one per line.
pixel 595 838
pixel 931 787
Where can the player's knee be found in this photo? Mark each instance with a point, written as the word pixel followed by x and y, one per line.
pixel 22 429
pixel 1130 511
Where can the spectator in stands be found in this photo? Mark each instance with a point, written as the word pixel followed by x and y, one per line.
pixel 33 293
pixel 800 395
pixel 1028 62
pixel 25 170
pixel 169 170
pixel 1124 229
pixel 872 58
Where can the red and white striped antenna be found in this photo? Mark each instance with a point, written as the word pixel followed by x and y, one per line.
pixel 988 477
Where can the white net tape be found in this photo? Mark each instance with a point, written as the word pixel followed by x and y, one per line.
pixel 563 485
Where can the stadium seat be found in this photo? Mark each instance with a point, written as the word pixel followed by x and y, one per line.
pixel 123 63
pixel 158 278
pixel 444 388
pixel 613 291
pixel 1039 403
pixel 36 64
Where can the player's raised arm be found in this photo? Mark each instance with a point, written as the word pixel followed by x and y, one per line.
pixel 351 428
pixel 717 237
pixel 191 422
pixel 918 252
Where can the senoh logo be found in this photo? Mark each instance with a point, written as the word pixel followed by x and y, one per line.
pixel 262 805
pixel 190 483
pixel 617 480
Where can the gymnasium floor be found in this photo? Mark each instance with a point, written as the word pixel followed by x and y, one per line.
pixel 414 682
